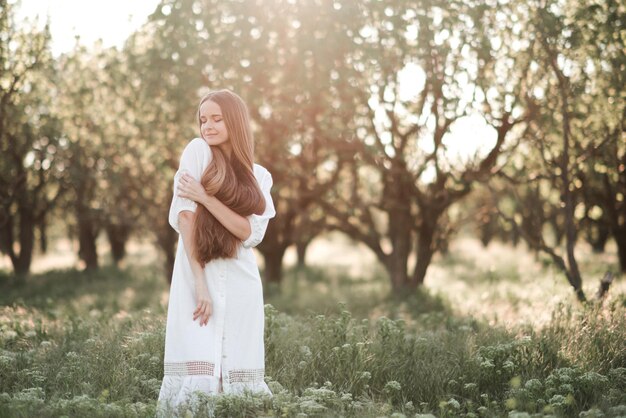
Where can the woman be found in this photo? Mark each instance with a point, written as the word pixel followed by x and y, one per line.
pixel 221 208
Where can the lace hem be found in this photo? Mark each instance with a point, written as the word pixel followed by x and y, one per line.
pixel 191 368
pixel 245 376
pixel 185 368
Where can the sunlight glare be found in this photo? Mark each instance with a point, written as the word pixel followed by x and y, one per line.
pixel 111 21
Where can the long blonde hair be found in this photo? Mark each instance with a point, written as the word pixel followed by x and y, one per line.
pixel 231 180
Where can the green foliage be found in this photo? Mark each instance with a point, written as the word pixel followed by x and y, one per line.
pixel 93 346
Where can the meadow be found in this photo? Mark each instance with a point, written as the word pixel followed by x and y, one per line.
pixel 495 332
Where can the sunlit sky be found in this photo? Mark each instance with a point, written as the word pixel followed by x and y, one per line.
pixel 112 21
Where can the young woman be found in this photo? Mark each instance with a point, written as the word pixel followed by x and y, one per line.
pixel 221 208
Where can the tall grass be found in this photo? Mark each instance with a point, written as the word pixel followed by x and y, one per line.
pixel 91 344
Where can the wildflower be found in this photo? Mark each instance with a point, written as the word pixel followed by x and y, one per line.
pixel 511 403
pixel 592 413
pixel 311 406
pixel 392 386
pixel 516 414
pixel 533 385
pixel 567 388
pixel 557 400
pixel 10 334
pixel 275 386
pixel 487 364
pixel 356 405
pixel 470 387
pixel 454 404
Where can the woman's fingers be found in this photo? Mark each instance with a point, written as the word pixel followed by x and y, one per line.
pixel 208 310
pixel 208 313
pixel 199 310
pixel 203 311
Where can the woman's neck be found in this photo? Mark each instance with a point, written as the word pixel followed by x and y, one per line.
pixel 228 149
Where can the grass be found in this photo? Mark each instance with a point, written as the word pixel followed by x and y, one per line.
pixel 91 344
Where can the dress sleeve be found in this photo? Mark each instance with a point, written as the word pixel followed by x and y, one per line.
pixel 258 223
pixel 191 163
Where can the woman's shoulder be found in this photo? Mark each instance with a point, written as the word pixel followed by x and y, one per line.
pixel 260 171
pixel 198 145
pixel 198 150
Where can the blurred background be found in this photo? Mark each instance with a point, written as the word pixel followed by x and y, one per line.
pixel 452 171
pixel 399 125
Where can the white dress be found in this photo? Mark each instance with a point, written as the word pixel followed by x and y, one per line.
pixel 231 344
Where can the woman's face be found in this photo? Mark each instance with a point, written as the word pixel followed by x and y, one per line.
pixel 212 126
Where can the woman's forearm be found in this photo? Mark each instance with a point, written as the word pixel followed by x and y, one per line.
pixel 185 223
pixel 238 225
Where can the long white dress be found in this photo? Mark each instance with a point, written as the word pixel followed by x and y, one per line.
pixel 231 344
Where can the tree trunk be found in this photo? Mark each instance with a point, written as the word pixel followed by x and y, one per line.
pixel 487 231
pixel 399 277
pixel 572 271
pixel 620 240
pixel 117 236
pixel 599 239
pixel 5 237
pixel 22 262
pixel 168 265
pixel 87 234
pixel 273 272
pixel 43 236
pixel 167 239
pixel 515 237
pixel 570 231
pixel 400 234
pixel 559 232
pixel 425 250
pixel 301 248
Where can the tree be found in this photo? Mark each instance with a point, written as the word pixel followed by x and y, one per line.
pixel 31 147
pixel 402 183
pixel 601 109
pixel 96 105
pixel 563 138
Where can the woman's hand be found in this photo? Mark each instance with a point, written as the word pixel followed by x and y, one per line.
pixel 204 307
pixel 190 188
